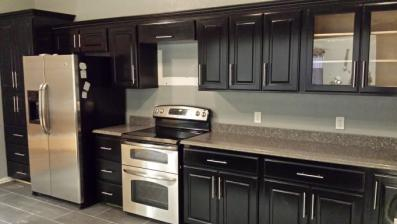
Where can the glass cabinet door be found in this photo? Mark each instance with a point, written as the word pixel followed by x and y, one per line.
pixel 379 55
pixel 333 51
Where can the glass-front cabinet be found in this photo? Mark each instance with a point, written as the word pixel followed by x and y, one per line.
pixel 333 50
pixel 379 50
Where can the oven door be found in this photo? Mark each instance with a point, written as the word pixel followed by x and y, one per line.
pixel 159 157
pixel 150 194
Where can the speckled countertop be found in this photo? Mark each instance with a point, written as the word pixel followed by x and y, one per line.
pixel 369 157
pixel 119 129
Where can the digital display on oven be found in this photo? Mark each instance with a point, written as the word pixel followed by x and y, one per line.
pixel 174 111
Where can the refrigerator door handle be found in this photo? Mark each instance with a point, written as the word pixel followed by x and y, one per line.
pixel 41 106
pixel 45 115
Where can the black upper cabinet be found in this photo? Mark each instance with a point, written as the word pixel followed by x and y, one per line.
pixel 245 52
pixel 379 50
pixel 212 37
pixel 332 49
pixel 7 54
pixel 166 31
pixel 281 48
pixel 82 40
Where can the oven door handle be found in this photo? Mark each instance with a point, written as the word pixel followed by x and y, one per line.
pixel 151 146
pixel 141 174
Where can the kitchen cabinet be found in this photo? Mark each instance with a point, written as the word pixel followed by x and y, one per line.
pixel 378 50
pixel 166 31
pixel 281 49
pixel 134 66
pixel 212 37
pixel 21 34
pixel 332 49
pixel 219 195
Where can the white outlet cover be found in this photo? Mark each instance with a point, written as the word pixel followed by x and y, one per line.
pixel 340 123
pixel 257 117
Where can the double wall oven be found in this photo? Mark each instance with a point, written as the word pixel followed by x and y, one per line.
pixel 151 161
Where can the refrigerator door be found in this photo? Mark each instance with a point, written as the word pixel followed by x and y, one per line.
pixel 63 126
pixel 37 140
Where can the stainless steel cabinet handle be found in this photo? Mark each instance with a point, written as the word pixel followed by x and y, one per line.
pixel 106 148
pixel 133 74
pixel 12 79
pixel 219 188
pixel 74 40
pixel 199 74
pixel 144 175
pixel 309 175
pixel 21 173
pixel 304 205
pixel 312 210
pixel 264 81
pixel 216 161
pixel 13 99
pixel 164 37
pixel 363 74
pixel 354 75
pixel 19 154
pixel 79 41
pixel 230 74
pixel 107 193
pixel 17 100
pixel 375 195
pixel 212 187
pixel 17 135
pixel 16 79
pixel 106 171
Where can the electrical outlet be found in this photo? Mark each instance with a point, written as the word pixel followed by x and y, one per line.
pixel 257 117
pixel 340 123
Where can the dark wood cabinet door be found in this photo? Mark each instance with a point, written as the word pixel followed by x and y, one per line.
pixel 336 207
pixel 245 52
pixel 20 114
pixel 93 40
pixel 383 200
pixel 9 108
pixel 281 49
pixel 64 41
pixel 200 198
pixel 332 47
pixel 6 54
pixel 379 50
pixel 238 199
pixel 283 203
pixel 212 37
pixel 123 50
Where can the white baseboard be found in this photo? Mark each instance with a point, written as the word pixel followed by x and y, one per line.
pixel 5 180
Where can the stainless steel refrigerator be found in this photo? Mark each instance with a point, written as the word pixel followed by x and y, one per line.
pixel 66 97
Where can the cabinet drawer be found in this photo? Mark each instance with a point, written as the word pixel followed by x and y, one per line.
pixel 17 153
pixel 18 171
pixel 152 33
pixel 108 148
pixel 109 171
pixel 93 40
pixel 221 161
pixel 313 174
pixel 109 193
pixel 16 135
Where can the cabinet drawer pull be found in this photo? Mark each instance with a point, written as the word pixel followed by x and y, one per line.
pixel 12 79
pixel 21 173
pixel 105 148
pixel 199 74
pixel 219 188
pixel 17 100
pixel 309 175
pixel 354 75
pixel 230 74
pixel 304 205
pixel 13 99
pixel 74 40
pixel 216 161
pixel 17 135
pixel 16 80
pixel 312 210
pixel 79 41
pixel 164 37
pixel 106 171
pixel 107 193
pixel 363 75
pixel 212 187
pixel 375 195
pixel 19 154
pixel 133 74
pixel 264 81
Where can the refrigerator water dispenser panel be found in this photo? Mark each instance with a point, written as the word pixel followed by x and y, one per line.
pixel 33 107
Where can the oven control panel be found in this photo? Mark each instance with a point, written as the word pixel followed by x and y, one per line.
pixel 181 112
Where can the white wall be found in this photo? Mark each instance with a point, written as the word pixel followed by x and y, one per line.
pixel 15 5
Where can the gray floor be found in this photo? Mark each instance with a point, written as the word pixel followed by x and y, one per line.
pixel 18 206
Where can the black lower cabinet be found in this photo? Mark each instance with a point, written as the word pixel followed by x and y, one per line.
pixel 283 203
pixel 200 205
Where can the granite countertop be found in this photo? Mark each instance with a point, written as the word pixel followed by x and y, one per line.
pixel 360 156
pixel 119 129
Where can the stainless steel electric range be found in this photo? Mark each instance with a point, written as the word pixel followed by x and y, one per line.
pixel 151 161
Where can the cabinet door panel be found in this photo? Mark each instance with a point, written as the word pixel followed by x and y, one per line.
pixel 212 36
pixel 64 41
pixel 20 115
pixel 283 203
pixel 336 207
pixel 123 52
pixel 9 109
pixel 383 201
pixel 245 52
pixel 6 54
pixel 281 51
pixel 93 40
pixel 200 206
pixel 239 200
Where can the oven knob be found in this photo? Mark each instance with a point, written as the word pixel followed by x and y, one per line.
pixel 204 114
pixel 197 113
pixel 156 111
